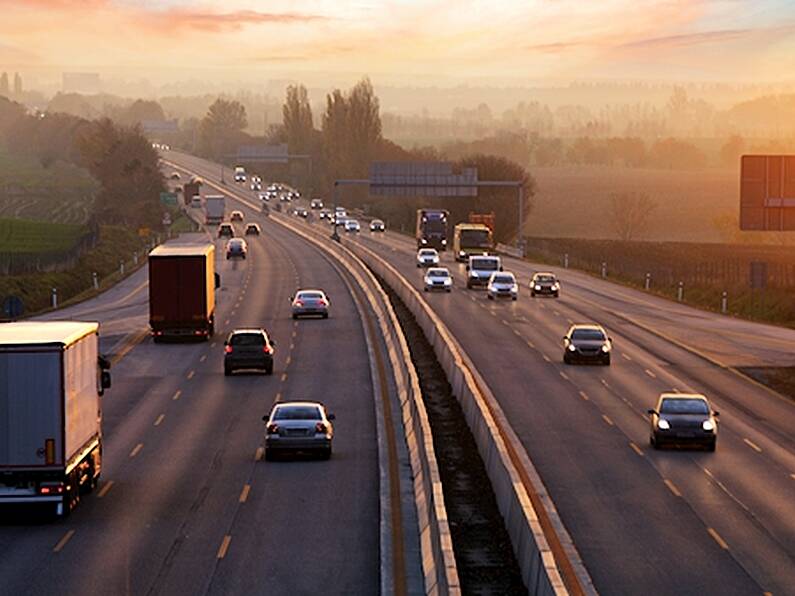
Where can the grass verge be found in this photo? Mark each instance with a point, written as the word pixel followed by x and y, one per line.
pixel 26 236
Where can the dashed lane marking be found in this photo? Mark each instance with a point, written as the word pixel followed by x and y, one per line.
pixel 244 493
pixel 191 374
pixel 626 356
pixel 203 358
pixel 224 546
pixel 636 449
pixel 233 313
pixel 62 542
pixel 288 360
pixel 570 322
pixel 295 333
pixel 292 345
pixel 546 358
pixel 530 344
pixel 259 453
pixel 672 487
pixel 136 450
pixel 212 345
pixel 159 419
pixel 604 382
pixel 715 536
pixel 177 393
pixel 650 373
pixel 284 377
pixel 753 445
pixel 584 395
pixel 226 322
pixel 563 375
pixel 105 489
pixel 556 313
pixel 606 418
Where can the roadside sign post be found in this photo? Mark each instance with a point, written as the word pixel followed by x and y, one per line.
pixel 54 298
pixel 94 280
pixel 680 291
pixel 724 302
pixel 647 282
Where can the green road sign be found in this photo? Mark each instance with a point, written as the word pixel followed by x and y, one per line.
pixel 168 198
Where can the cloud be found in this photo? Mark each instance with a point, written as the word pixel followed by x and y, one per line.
pixel 178 19
pixel 689 39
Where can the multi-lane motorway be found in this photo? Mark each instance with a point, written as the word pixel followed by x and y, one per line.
pixel 667 522
pixel 186 506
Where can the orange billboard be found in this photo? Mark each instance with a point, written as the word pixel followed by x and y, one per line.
pixel 767 193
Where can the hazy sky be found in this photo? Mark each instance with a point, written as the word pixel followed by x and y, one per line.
pixel 401 41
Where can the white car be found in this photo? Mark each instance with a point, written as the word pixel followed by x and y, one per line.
pixel 352 225
pixel 438 278
pixel 264 197
pixel 256 186
pixel 377 225
pixel 427 257
pixel 502 285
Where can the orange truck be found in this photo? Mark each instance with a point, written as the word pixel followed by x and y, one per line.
pixel 487 219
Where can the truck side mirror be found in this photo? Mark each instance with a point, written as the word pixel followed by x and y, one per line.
pixel 217 280
pixel 265 418
pixel 104 379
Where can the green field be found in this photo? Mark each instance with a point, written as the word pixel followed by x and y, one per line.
pixel 25 236
pixel 60 193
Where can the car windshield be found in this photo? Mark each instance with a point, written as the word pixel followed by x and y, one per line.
pixel 588 334
pixel 503 279
pixel 309 296
pixel 427 252
pixel 485 264
pixel 545 278
pixel 297 413
pixel 235 244
pixel 684 406
pixel 476 238
pixel 247 339
pixel 438 273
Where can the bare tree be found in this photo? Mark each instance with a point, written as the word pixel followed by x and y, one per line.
pixel 297 119
pixel 630 213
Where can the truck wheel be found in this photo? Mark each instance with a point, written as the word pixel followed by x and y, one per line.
pixel 269 370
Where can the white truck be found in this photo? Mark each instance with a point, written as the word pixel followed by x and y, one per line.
pixel 214 209
pixel 51 380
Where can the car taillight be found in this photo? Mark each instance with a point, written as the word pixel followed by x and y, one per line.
pixel 228 349
pixel 51 488
pixel 322 303
pixel 299 302
pixel 321 428
pixel 267 349
pixel 272 428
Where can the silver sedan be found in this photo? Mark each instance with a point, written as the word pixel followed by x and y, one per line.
pixel 310 302
pixel 298 426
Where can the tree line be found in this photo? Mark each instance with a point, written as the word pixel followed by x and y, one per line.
pixel 119 157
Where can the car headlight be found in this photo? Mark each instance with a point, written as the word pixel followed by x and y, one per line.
pixel 572 348
pixel 461 253
pixel 663 424
pixel 708 425
pixel 444 241
pixel 538 288
pixel 448 281
pixel 424 241
pixel 606 348
pixel 556 286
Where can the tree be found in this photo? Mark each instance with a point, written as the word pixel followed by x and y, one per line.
pixel 139 111
pixel 335 135
pixel 630 214
pixel 364 126
pixel 4 88
pixel 675 154
pixel 222 128
pixel 297 119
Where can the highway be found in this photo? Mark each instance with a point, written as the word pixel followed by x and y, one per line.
pixel 186 506
pixel 644 521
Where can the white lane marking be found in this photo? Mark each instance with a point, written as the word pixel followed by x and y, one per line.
pixel 62 542
pixel 721 542
pixel 191 374
pixel 259 453
pixel 212 345
pixel 556 313
pixel 284 377
pixel 226 322
pixel 224 546
pixel 636 449
pixel 244 493
pixel 564 375
pixel 604 382
pixel 607 419
pixel 584 395
pixel 753 445
pixel 136 450
pixel 530 344
pixel 546 358
pixel 570 322
pixel 672 487
pixel 159 419
pixel 288 360
pixel 177 393
pixel 626 356
pixel 105 489
pixel 203 358
pixel 650 373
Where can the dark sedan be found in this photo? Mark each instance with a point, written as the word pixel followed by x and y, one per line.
pixel 587 343
pixel 683 419
pixel 248 348
pixel 545 283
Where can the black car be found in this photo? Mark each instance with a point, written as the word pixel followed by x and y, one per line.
pixel 252 229
pixel 683 418
pixel 544 283
pixel 587 343
pixel 226 229
pixel 248 349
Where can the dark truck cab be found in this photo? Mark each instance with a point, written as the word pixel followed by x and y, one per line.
pixel 432 227
pixel 182 283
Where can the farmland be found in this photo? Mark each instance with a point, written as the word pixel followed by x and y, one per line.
pixel 25 236
pixel 573 201
pixel 60 193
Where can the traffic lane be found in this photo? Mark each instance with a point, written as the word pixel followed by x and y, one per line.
pixel 325 513
pixel 135 451
pixel 578 453
pixel 140 381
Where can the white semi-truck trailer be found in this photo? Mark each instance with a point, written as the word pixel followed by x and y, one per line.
pixel 51 380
